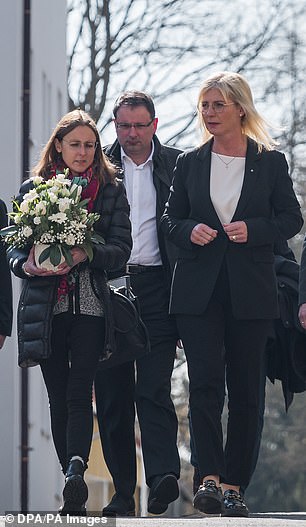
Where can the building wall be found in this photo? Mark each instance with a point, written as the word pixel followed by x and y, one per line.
pixel 48 103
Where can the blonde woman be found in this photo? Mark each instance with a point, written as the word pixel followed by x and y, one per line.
pixel 231 199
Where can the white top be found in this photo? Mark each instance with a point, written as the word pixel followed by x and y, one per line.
pixel 226 179
pixel 141 194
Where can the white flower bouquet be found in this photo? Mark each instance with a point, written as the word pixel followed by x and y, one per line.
pixel 52 214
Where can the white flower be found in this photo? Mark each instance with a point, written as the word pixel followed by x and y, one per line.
pixel 31 195
pixel 37 220
pixel 61 180
pixel 40 208
pixel 63 204
pixel 27 231
pixel 24 206
pixel 70 239
pixel 52 196
pixel 37 180
pixel 59 217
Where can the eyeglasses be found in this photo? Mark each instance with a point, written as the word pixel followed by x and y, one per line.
pixel 137 126
pixel 77 145
pixel 217 106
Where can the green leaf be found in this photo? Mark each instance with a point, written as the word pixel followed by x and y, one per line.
pixel 83 203
pixel 97 238
pixel 88 249
pixel 55 255
pixel 44 255
pixel 67 255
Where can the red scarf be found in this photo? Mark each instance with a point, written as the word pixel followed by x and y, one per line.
pixel 90 191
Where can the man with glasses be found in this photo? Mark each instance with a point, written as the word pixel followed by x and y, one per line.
pixel 147 167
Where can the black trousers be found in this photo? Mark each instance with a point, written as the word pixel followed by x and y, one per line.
pixel 148 383
pixel 242 367
pixel 193 454
pixel 76 342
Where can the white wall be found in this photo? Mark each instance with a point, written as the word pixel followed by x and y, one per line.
pixel 48 103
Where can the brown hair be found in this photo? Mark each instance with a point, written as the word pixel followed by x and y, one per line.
pixel 102 166
pixel 135 98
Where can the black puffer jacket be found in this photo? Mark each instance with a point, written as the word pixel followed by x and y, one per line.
pixel 38 296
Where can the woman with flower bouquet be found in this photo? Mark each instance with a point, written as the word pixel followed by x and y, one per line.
pixel 76 207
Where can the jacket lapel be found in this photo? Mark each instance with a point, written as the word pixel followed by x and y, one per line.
pixel 252 166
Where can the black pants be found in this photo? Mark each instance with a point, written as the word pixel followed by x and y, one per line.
pixel 193 454
pixel 242 367
pixel 76 343
pixel 116 394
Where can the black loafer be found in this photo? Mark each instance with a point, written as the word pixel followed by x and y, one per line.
pixel 164 490
pixel 209 498
pixel 119 506
pixel 233 505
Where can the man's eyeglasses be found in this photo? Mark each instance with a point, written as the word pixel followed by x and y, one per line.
pixel 77 145
pixel 137 126
pixel 217 106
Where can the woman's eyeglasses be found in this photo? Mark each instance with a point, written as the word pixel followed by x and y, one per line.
pixel 77 145
pixel 217 106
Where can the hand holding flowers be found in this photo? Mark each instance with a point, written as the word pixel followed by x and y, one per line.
pixel 53 214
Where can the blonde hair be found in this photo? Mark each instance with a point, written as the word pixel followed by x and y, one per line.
pixel 102 166
pixel 234 88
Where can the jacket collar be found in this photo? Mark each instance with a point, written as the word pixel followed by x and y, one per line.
pixel 114 153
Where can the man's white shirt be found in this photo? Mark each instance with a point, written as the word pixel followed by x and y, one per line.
pixel 141 194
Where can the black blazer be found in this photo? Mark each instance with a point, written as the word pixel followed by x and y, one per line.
pixel 6 309
pixel 268 206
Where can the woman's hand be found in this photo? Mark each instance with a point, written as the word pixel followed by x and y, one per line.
pixel 237 231
pixel 78 256
pixel 201 234
pixel 31 268
pixel 302 315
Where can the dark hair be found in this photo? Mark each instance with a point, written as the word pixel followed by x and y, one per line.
pixel 101 165
pixel 135 98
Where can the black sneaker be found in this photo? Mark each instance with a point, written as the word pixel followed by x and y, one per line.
pixel 233 504
pixel 209 498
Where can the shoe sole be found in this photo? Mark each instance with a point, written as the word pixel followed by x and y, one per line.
pixel 75 490
pixel 207 504
pixel 165 492
pixel 116 514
